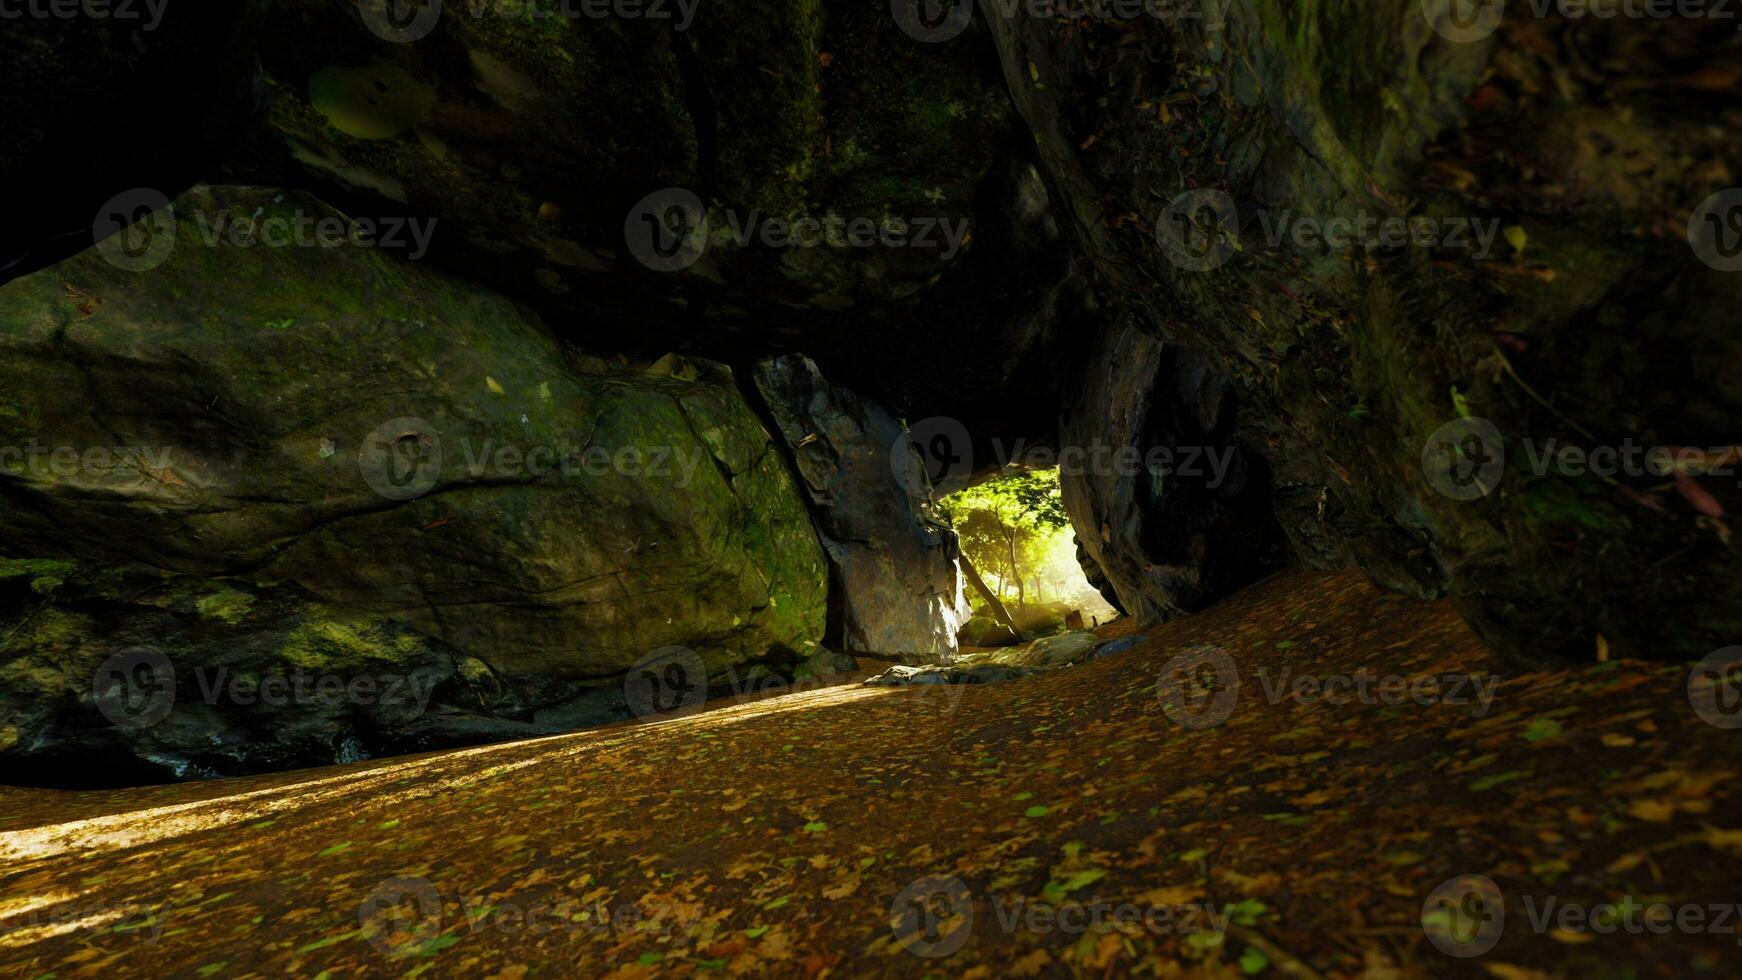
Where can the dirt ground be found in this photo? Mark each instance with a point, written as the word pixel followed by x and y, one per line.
pixel 1143 814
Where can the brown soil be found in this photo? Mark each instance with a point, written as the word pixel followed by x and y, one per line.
pixel 774 836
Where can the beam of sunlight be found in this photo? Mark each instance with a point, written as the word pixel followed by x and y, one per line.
pixel 134 828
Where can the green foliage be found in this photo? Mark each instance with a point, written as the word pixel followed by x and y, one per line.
pixel 1025 501
pixel 1016 532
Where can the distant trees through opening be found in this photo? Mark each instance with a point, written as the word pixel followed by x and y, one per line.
pixel 1015 532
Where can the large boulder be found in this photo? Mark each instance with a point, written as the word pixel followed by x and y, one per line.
pixel 371 466
pixel 1171 508
pixel 1431 258
pixel 897 586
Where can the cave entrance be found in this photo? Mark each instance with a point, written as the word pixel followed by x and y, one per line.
pixel 1016 536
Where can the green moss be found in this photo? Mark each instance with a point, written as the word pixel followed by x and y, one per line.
pixel 228 606
pixel 329 644
pixel 45 574
pixel 15 567
pixel 38 652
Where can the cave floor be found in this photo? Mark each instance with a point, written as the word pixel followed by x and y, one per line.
pixel 781 836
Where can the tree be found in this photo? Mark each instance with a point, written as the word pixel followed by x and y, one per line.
pixel 1007 524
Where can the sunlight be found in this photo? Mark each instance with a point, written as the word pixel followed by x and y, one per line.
pixel 133 828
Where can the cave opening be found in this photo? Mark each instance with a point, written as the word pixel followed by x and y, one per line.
pixel 1185 487
pixel 1017 538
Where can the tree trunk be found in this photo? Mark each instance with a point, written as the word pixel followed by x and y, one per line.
pixel 998 611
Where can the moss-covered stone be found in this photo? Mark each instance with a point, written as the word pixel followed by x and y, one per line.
pixel 229 606
pixel 456 478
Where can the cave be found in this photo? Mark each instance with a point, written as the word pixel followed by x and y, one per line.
pixel 634 487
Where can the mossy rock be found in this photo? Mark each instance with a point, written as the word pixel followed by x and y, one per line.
pixel 576 516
